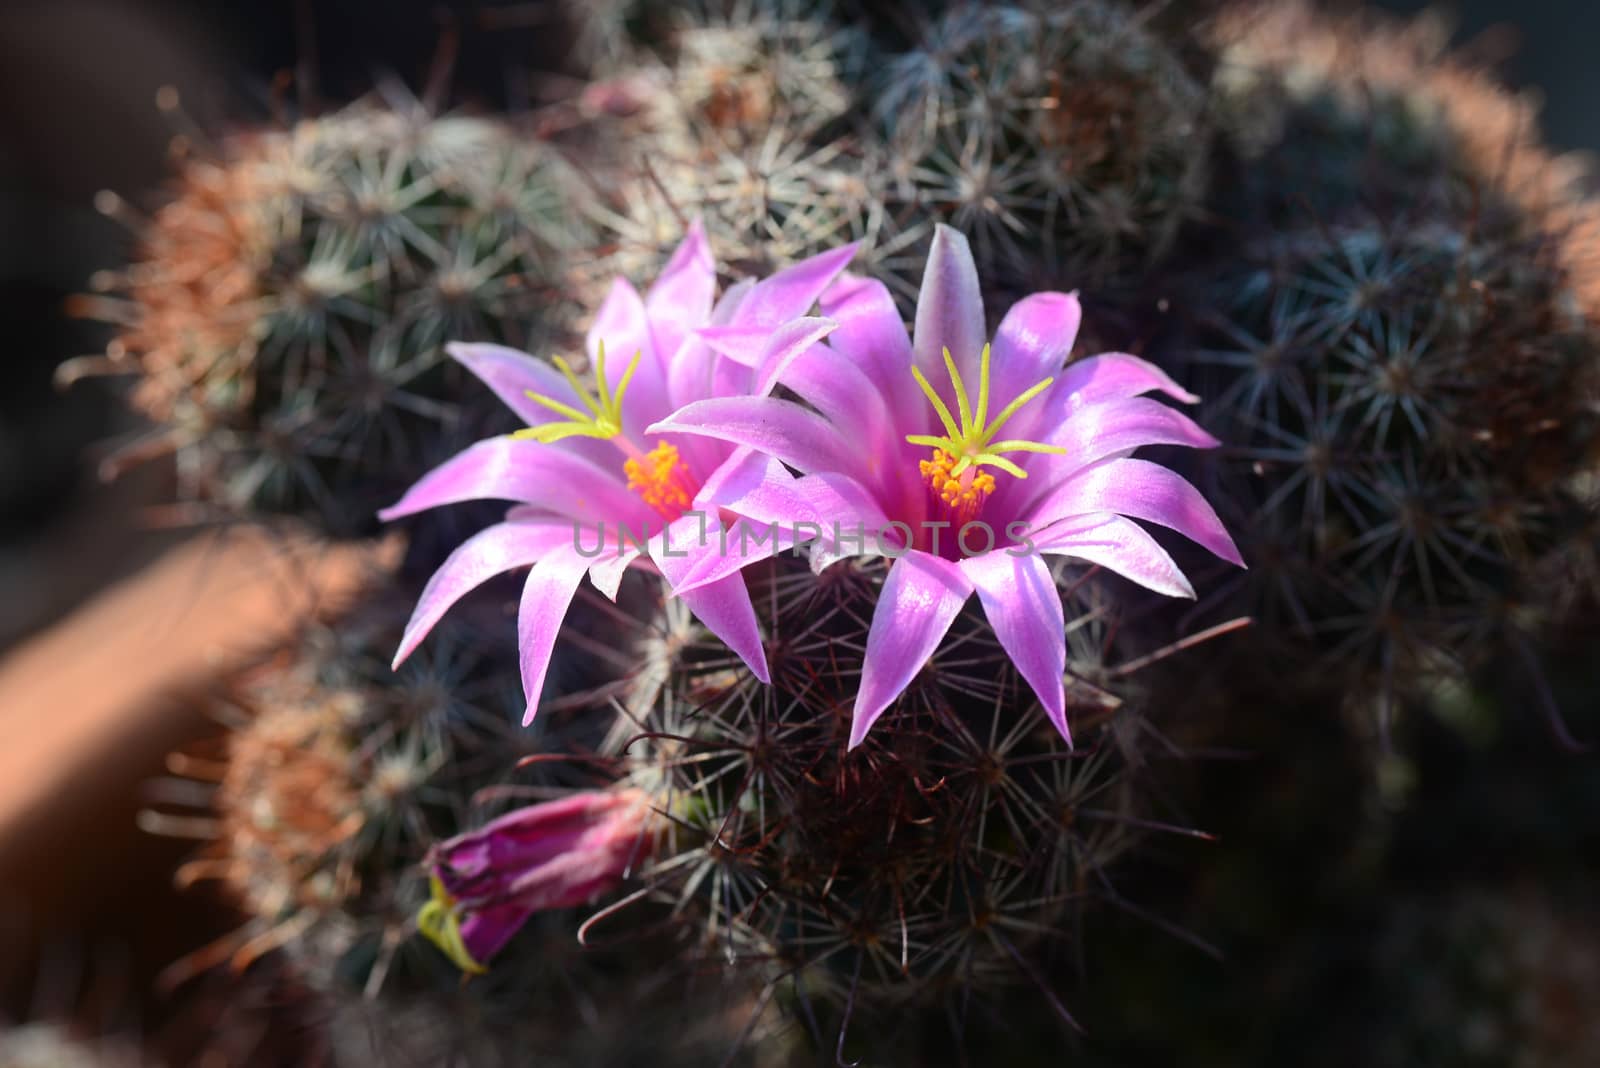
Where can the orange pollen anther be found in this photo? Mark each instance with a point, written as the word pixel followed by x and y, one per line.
pixel 963 494
pixel 660 479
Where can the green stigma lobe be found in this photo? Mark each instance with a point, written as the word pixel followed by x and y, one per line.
pixel 604 418
pixel 970 440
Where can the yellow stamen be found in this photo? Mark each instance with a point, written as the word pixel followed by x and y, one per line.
pixel 962 494
pixel 439 923
pixel 968 443
pixel 660 478
pixel 604 419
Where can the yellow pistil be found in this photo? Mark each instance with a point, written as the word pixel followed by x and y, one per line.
pixel 661 479
pixel 968 443
pixel 440 924
pixel 604 417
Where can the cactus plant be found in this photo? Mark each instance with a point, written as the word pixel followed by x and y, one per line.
pixel 1408 388
pixel 810 798
pixel 916 875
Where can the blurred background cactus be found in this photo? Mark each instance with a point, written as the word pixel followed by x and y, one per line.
pixel 1334 836
pixel 1067 140
pixel 41 1045
pixel 741 115
pixel 1397 346
pixel 321 801
pixel 287 307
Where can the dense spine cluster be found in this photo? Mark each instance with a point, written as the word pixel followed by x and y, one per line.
pixel 330 782
pixel 928 868
pixel 1066 140
pixel 741 118
pixel 1069 142
pixel 1399 354
pixel 1407 446
pixel 286 312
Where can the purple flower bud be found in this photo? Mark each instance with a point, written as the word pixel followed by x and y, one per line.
pixel 486 883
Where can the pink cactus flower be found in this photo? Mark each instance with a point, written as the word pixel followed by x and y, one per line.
pixel 553 855
pixel 595 490
pixel 902 438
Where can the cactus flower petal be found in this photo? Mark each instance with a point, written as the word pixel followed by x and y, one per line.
pixel 1118 545
pixel 599 468
pixel 1108 376
pixel 921 598
pixel 723 605
pixel 513 376
pixel 1106 430
pixel 545 598
pixel 682 297
pixel 780 428
pixel 870 335
pixel 1142 490
pixel 489 552
pixel 623 326
pixel 1099 430
pixel 528 473
pixel 1034 340
pixel 791 292
pixel 949 307
pixel 778 511
pixel 1022 604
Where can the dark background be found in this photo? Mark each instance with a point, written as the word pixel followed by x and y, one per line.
pixel 78 81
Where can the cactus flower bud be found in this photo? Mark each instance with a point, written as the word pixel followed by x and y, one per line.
pixel 486 883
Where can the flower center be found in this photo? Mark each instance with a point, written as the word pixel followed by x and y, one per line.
pixel 968 444
pixel 659 477
pixel 962 494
